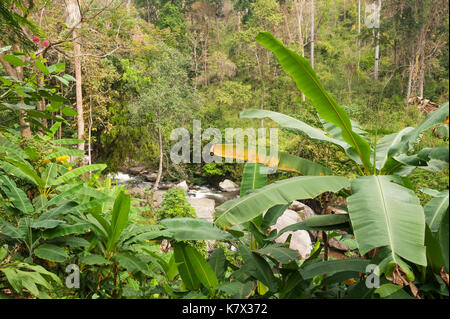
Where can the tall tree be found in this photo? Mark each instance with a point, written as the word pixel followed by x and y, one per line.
pixel 74 21
pixel 377 43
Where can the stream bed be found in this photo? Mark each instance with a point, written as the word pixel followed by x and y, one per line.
pixel 138 183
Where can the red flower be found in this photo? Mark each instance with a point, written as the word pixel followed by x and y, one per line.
pixel 36 40
pixel 45 43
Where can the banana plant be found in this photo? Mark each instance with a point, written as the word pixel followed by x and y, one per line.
pixel 25 278
pixel 52 169
pixel 382 210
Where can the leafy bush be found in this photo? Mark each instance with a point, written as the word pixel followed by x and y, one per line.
pixel 175 204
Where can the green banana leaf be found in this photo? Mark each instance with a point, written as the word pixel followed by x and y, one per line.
pixel 308 83
pixel 244 209
pixel 410 138
pixel 77 172
pixel 252 178
pixel 387 214
pixel 435 210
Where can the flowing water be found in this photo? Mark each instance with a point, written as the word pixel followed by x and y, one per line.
pixel 195 191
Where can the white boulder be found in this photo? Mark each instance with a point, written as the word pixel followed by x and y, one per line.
pixel 228 186
pixel 183 185
pixel 204 208
pixel 300 240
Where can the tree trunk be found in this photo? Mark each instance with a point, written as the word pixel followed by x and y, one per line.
pixel 299 10
pixel 312 33
pixel 17 73
pixel 377 55
pixel 158 176
pixel 239 21
pixel 79 93
pixel 26 132
pixel 410 75
pixel 261 72
pixel 90 133
pixel 128 7
pixel 377 47
pixel 41 106
pixel 217 33
pixel 195 66
pixel 288 31
pixel 359 32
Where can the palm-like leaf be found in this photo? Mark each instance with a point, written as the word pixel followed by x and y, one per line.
pixel 240 210
pixel 435 210
pixel 252 177
pixel 284 162
pixel 307 82
pixel 387 214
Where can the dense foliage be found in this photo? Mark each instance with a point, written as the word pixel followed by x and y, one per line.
pixel 355 132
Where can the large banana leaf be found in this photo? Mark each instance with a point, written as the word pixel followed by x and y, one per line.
pixel 430 159
pixel 444 240
pixel 289 122
pixel 308 83
pixel 257 267
pixel 201 268
pixel 15 195
pixel 77 172
pixel 13 170
pixel 28 170
pixel 252 177
pixel 334 266
pixel 119 218
pixel 240 210
pixel 194 229
pixel 49 174
pixel 51 252
pixel 300 165
pixel 387 214
pixel 409 139
pixel 435 210
pixel 385 144
pixel 218 262
pixel 185 267
pixel 284 161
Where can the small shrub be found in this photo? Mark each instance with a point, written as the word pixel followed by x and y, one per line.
pixel 175 205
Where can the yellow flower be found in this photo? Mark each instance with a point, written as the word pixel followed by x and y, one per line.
pixel 62 158
pixel 69 168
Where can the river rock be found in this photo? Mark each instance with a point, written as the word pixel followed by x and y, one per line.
pixel 183 185
pixel 337 244
pixel 300 240
pixel 136 192
pixel 158 197
pixel 204 207
pixel 305 210
pixel 228 186
pixel 150 177
pixel 166 186
pixel 135 170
